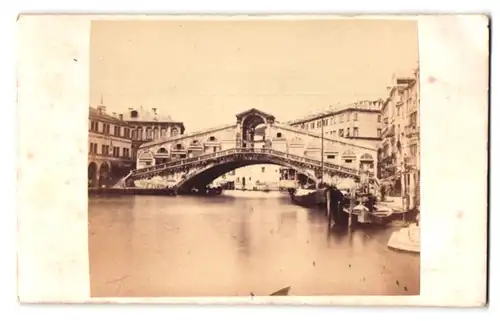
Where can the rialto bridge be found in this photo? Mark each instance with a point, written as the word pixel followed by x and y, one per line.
pixel 195 159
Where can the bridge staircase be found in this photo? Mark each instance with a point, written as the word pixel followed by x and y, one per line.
pixel 122 181
pixel 266 153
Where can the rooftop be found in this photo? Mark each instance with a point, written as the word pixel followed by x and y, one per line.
pixel 374 105
pixel 100 113
pixel 142 114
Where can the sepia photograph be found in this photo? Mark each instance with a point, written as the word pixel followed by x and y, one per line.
pixel 261 157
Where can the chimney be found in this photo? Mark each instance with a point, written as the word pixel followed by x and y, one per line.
pixel 114 114
pixel 154 110
pixel 121 116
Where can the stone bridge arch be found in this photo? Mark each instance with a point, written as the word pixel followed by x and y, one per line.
pixel 204 174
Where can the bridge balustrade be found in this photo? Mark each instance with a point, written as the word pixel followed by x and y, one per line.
pixel 197 159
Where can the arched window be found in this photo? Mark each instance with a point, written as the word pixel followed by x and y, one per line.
pixel 155 133
pixel 174 132
pixel 139 133
pixel 149 133
pixel 134 114
pixel 162 132
pixel 178 146
pixel 162 150
pixel 211 138
pixel 279 135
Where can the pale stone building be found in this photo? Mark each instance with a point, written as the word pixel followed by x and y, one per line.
pixel 359 121
pixel 399 153
pixel 148 125
pixel 110 147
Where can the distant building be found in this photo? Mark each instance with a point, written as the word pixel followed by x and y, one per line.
pixel 399 153
pixel 254 177
pixel 110 147
pixel 359 121
pixel 148 125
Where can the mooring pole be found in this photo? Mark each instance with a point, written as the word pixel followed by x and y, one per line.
pixel 351 202
pixel 328 204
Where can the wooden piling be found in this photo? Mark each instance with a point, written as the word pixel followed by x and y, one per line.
pixel 328 204
pixel 351 205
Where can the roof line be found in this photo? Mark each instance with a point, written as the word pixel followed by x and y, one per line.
pixel 186 135
pixel 297 130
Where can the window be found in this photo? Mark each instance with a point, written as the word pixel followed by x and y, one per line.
pixel 94 126
pixel 211 138
pixel 330 156
pixel 116 151
pixel 318 123
pixel 174 132
pixel 155 133
pixel 163 132
pixel 149 133
pixel 178 146
pixel 93 148
pixel 341 132
pixel 334 133
pixel 126 152
pixel 312 125
pixel 279 135
pixel 325 122
pixel 139 133
pixel 334 119
pixel 348 116
pixel 348 160
pixel 127 133
pixel 215 149
pixel 348 132
pixel 134 114
pixel 379 118
pixel 397 110
pixel 117 131
pixel 341 118
pixel 105 150
pixel 379 132
pixel 355 117
pixel 355 132
pixel 105 128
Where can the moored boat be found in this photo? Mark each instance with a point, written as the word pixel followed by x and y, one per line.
pixel 308 197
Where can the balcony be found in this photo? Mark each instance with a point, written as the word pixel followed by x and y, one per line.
pixel 412 131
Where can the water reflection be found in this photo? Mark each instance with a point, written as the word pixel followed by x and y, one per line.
pixel 234 245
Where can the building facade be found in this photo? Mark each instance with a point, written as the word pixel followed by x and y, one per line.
pixel 399 152
pixel 359 121
pixel 110 147
pixel 148 125
pixel 254 177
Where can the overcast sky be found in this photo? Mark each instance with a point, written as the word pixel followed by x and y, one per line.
pixel 204 72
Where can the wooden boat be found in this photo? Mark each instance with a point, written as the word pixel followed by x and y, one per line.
pixel 381 214
pixel 281 292
pixel 309 198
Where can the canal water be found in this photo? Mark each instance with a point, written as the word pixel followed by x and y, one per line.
pixel 236 244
